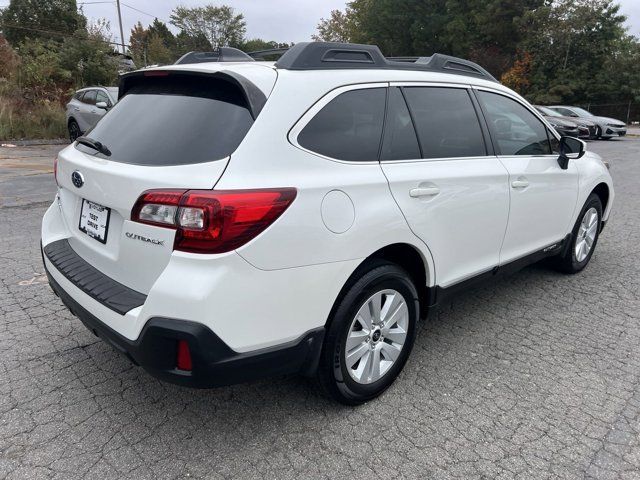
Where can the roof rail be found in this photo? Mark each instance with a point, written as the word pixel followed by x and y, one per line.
pixel 261 54
pixel 221 54
pixel 332 56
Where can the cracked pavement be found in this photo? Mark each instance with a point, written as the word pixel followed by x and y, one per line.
pixel 535 376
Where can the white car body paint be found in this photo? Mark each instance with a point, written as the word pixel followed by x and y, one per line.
pixel 285 281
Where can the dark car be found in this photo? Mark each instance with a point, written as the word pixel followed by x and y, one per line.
pixel 586 128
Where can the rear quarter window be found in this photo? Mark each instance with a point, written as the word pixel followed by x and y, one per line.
pixel 174 120
pixel 349 127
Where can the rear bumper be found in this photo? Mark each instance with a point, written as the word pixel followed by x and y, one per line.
pixel 214 362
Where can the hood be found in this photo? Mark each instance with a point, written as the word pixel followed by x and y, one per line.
pixel 562 122
pixel 611 120
pixel 582 121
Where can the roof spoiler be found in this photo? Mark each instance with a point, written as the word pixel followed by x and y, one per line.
pixel 254 97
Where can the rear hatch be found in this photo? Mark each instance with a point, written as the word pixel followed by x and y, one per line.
pixel 169 130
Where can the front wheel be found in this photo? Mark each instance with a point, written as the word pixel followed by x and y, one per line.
pixel 371 333
pixel 584 237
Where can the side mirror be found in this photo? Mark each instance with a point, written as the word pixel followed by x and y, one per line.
pixel 570 148
pixel 103 105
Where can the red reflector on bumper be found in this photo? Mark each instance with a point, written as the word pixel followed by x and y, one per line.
pixel 183 357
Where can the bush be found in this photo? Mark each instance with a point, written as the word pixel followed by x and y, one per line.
pixel 22 119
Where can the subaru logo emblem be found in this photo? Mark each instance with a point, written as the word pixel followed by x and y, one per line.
pixel 77 179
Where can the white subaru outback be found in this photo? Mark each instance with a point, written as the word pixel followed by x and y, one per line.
pixel 230 220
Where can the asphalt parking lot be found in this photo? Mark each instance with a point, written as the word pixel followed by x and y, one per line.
pixel 537 376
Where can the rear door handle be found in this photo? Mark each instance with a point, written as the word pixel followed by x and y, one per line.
pixel 520 184
pixel 76 109
pixel 424 192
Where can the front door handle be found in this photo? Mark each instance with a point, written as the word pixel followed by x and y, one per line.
pixel 424 192
pixel 520 184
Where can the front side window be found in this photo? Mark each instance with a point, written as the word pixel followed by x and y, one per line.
pixel 102 97
pixel 516 130
pixel 446 122
pixel 349 127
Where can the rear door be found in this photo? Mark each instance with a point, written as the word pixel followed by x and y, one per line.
pixel 451 189
pixel 543 195
pixel 172 131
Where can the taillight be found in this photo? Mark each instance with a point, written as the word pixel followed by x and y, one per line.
pixel 55 170
pixel 209 221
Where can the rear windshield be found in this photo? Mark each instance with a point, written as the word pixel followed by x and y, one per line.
pixel 174 120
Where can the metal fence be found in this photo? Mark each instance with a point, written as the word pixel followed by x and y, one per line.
pixel 627 112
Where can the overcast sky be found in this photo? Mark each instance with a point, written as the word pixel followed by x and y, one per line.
pixel 280 20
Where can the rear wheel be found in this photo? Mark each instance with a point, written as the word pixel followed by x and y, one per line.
pixel 74 130
pixel 584 237
pixel 371 334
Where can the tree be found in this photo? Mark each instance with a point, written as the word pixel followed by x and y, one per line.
pixel 41 19
pixel 138 42
pixel 220 26
pixel 9 60
pixel 89 57
pixel 575 46
pixel 153 45
pixel 337 28
pixel 257 44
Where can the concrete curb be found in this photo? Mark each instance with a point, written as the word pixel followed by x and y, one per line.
pixel 30 143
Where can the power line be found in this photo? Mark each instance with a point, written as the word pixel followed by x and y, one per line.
pixel 144 13
pixel 53 32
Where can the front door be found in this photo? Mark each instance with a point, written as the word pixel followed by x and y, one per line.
pixel 543 195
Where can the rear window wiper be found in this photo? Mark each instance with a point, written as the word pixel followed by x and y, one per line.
pixel 89 142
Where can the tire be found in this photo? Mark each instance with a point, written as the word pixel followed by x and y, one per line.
pixel 74 130
pixel 599 133
pixel 353 381
pixel 574 260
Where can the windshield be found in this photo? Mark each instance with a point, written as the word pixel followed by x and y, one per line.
pixel 174 120
pixel 582 112
pixel 548 112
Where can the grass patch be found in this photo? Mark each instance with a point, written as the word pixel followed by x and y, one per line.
pixel 23 121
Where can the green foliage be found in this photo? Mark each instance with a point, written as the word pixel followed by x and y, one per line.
pixel 339 27
pixel 40 19
pixel 256 44
pixel 220 26
pixel 572 51
pixel 154 45
pixel 39 69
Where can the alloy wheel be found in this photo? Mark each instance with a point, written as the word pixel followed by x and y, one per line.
pixel 377 336
pixel 586 235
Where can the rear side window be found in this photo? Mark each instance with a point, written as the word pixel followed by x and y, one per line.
pixel 349 127
pixel 516 130
pixel 400 141
pixel 446 122
pixel 89 97
pixel 174 120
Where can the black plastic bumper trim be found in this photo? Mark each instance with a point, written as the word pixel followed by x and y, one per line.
pixel 214 363
pixel 90 280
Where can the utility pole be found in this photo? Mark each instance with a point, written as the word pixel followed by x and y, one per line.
pixel 120 22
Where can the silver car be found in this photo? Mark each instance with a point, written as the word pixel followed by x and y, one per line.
pixel 606 127
pixel 87 106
